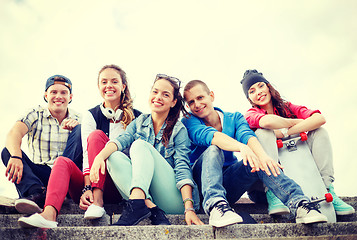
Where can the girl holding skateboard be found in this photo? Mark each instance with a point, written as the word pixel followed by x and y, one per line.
pixel 157 176
pixel 272 118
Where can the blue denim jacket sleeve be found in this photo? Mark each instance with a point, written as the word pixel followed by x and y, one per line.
pixel 181 146
pixel 126 138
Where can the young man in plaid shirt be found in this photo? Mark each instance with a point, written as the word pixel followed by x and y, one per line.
pixel 51 132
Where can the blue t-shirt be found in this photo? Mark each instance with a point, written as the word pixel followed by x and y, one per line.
pixel 234 125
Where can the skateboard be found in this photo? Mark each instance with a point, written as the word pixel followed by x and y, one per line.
pixel 295 156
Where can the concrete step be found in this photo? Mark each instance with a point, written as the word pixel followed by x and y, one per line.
pixel 72 225
pixel 237 231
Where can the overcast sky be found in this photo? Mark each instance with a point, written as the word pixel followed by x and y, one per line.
pixel 307 49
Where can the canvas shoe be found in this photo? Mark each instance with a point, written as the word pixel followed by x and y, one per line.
pixel 134 211
pixel 158 217
pixel 36 220
pixel 31 204
pixel 223 215
pixel 275 206
pixel 94 212
pixel 308 213
pixel 340 206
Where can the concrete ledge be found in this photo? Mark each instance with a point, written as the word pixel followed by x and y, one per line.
pixel 113 232
pixel 285 230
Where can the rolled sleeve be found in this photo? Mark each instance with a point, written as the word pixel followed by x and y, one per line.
pixel 253 117
pixel 182 168
pixel 302 112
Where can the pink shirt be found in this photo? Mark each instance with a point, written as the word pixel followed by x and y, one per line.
pixel 254 114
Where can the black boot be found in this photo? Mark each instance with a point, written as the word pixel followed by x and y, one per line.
pixel 134 211
pixel 158 217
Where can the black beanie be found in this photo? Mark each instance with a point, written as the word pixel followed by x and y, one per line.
pixel 250 78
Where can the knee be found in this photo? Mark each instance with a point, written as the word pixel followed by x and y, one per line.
pixel 5 155
pixel 213 153
pixel 138 145
pixel 265 135
pixel 95 136
pixel 62 161
pixel 319 133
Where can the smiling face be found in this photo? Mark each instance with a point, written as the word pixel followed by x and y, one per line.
pixel 259 94
pixel 161 98
pixel 110 87
pixel 58 97
pixel 200 101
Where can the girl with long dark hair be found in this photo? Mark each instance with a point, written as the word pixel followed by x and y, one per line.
pixel 273 117
pixel 157 176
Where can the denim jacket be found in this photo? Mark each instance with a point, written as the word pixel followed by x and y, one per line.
pixel 176 153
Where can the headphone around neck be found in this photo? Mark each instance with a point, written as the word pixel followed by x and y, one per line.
pixel 110 114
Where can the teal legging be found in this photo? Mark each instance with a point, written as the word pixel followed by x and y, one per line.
pixel 149 171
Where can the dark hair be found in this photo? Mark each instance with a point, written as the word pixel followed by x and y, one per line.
pixel 279 103
pixel 126 102
pixel 174 112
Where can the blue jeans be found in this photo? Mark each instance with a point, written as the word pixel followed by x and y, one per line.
pixel 230 183
pixel 35 176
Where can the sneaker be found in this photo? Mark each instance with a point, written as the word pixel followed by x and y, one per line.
pixel 340 206
pixel 31 204
pixel 36 220
pixel 134 211
pixel 158 217
pixel 94 212
pixel 275 206
pixel 223 215
pixel 308 213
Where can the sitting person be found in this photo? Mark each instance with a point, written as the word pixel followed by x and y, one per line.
pixel 51 131
pixel 272 118
pixel 99 125
pixel 222 179
pixel 156 178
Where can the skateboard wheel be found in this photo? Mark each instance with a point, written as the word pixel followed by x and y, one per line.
pixel 328 197
pixel 279 143
pixel 303 136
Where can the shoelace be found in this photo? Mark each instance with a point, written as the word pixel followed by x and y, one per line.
pixel 223 208
pixel 311 206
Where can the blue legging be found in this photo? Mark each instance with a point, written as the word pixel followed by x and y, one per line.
pixel 149 171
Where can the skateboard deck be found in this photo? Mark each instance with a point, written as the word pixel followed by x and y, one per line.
pixel 295 156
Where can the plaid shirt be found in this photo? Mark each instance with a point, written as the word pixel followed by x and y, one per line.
pixel 46 138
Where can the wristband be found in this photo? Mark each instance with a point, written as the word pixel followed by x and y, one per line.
pixel 189 209
pixel 86 188
pixel 16 157
pixel 284 131
pixel 188 199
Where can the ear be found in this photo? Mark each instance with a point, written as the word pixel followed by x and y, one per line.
pixel 211 94
pixel 45 96
pixel 173 103
pixel 70 98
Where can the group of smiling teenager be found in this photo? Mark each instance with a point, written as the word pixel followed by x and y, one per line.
pixel 161 162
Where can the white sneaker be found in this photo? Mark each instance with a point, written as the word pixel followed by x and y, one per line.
pixel 309 213
pixel 223 215
pixel 94 212
pixel 27 206
pixel 36 220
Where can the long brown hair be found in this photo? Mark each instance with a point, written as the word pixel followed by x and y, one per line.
pixel 281 105
pixel 175 111
pixel 126 102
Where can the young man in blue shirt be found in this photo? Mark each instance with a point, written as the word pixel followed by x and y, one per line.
pixel 222 179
